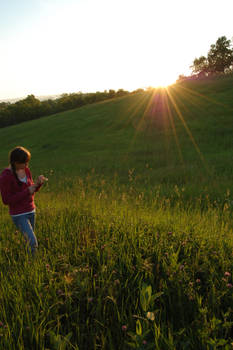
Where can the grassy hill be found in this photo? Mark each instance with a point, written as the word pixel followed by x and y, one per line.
pixel 134 227
pixel 182 135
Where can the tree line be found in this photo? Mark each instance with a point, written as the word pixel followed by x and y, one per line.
pixel 218 60
pixel 32 108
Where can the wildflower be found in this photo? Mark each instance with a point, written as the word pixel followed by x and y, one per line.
pixel 124 328
pixel 89 300
pixel 144 342
pixel 47 267
pixel 1 324
pixel 68 278
pixel 170 233
pixel 227 274
pixel 150 315
pixel 229 285
pixel 198 280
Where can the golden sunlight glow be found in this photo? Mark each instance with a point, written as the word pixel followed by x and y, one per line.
pixel 160 111
pixel 128 59
pixel 164 81
pixel 88 45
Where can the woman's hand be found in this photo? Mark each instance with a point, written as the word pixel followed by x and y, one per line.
pixel 32 189
pixel 40 180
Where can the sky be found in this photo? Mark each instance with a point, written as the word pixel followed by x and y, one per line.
pixel 50 47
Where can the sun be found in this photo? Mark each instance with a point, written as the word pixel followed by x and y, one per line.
pixel 162 78
pixel 164 81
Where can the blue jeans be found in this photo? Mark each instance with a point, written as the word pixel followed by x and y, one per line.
pixel 26 223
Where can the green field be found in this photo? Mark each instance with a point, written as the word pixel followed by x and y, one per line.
pixel 134 226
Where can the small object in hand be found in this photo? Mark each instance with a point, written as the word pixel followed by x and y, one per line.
pixel 41 179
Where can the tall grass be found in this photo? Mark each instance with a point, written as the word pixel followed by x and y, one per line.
pixel 119 268
pixel 138 253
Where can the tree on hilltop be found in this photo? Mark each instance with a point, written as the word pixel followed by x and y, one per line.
pixel 200 65
pixel 218 60
pixel 220 55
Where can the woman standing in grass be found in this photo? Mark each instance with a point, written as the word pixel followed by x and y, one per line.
pixel 18 190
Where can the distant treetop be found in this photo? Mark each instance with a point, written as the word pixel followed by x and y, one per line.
pixel 219 59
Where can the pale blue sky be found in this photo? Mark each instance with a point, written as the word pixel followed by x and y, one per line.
pixel 56 46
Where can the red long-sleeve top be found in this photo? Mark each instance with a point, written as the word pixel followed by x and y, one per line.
pixel 16 195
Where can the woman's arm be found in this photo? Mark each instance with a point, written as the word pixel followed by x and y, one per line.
pixel 40 181
pixel 8 197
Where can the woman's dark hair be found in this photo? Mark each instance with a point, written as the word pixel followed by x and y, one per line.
pixel 18 155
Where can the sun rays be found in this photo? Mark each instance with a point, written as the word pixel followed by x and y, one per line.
pixel 165 126
pixel 163 110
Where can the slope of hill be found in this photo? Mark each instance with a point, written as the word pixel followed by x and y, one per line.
pixel 130 266
pixel 179 135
